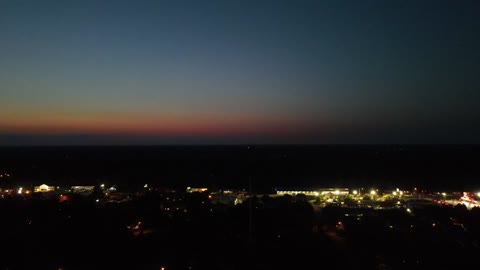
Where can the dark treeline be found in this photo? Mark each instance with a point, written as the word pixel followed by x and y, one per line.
pixel 427 166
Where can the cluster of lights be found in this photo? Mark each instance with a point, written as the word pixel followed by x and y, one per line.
pixel 397 192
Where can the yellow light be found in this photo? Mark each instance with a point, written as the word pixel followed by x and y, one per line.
pixel 478 194
pixel 337 192
pixel 373 192
pixel 145 186
pixel 408 210
pixel 355 192
pixel 394 193
pixel 444 194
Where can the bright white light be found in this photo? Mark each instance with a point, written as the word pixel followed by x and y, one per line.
pixel 337 192
pixel 102 185
pixel 408 210
pixel 444 194
pixel 398 189
pixel 145 186
pixel 373 192
pixel 355 192
pixel 401 192
pixel 97 200
pixel 394 193
pixel 478 194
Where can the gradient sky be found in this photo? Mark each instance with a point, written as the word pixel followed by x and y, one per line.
pixel 148 72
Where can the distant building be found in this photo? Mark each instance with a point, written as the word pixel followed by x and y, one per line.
pixel 334 191
pixel 43 188
pixel 191 190
pixel 82 189
pixel 313 192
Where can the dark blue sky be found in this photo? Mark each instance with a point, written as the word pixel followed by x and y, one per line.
pixel 147 72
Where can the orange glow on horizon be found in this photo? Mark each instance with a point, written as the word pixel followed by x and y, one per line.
pixel 214 125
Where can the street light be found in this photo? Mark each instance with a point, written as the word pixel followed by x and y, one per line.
pixel 373 192
pixel 356 192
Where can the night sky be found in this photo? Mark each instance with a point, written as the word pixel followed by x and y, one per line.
pixel 234 72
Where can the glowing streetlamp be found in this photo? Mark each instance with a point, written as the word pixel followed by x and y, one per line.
pixel 373 192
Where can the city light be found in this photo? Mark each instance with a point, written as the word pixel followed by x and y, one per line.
pixel 373 192
pixel 478 194
pixel 355 192
pixel 337 192
pixel 145 186
pixel 394 193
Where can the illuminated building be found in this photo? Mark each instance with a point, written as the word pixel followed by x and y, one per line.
pixel 43 188
pixel 82 189
pixel 314 192
pixel 191 190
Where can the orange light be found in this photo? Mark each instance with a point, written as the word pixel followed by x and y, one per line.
pixel 209 196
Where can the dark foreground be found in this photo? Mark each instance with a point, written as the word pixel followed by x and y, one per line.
pixel 149 232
